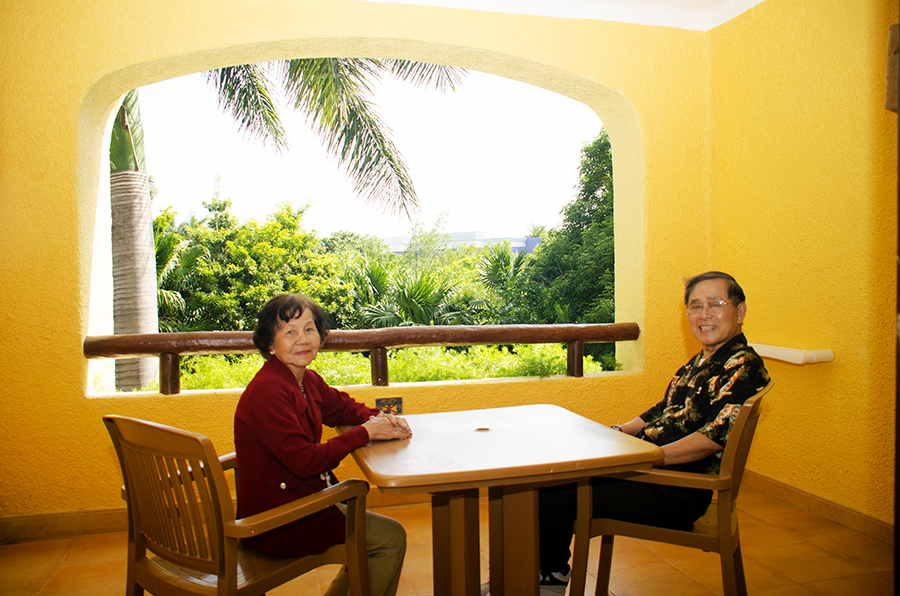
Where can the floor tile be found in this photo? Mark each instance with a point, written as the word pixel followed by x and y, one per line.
pixel 405 587
pixel 627 552
pixel 653 580
pixel 795 590
pixel 22 581
pixel 870 585
pixel 670 552
pixel 87 579
pixel 419 573
pixel 707 571
pixel 762 505
pixel 866 552
pixel 39 553
pixel 805 562
pixel 98 547
pixel 810 526
pixel 415 518
pixel 761 533
pixel 419 546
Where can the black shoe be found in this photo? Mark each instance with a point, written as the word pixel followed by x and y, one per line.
pixel 554 583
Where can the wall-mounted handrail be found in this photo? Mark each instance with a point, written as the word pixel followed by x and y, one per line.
pixel 169 347
pixel 793 355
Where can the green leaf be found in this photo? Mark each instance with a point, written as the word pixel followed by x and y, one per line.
pixel 126 146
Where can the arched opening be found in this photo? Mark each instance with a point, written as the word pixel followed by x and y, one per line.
pixel 613 109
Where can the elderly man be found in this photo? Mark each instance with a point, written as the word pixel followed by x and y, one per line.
pixel 691 424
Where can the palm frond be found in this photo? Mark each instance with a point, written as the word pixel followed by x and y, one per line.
pixel 188 260
pixel 169 300
pixel 383 314
pixel 165 246
pixel 422 74
pixel 335 94
pixel 244 91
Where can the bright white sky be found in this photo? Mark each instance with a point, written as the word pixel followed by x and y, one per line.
pixel 496 156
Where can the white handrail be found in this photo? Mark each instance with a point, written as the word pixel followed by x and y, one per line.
pixel 792 355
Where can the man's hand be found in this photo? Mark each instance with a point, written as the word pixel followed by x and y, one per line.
pixel 691 448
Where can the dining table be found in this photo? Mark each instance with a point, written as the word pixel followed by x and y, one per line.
pixel 511 452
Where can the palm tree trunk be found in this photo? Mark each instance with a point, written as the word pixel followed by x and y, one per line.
pixel 134 271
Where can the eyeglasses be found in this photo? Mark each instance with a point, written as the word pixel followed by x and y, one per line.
pixel 715 307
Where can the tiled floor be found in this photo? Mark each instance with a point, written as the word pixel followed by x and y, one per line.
pixel 787 552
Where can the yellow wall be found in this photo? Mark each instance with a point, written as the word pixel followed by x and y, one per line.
pixel 759 147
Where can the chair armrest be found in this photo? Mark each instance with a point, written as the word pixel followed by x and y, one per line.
pixel 289 512
pixel 678 478
pixel 228 461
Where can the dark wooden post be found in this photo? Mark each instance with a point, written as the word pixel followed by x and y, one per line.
pixel 575 358
pixel 169 374
pixel 378 358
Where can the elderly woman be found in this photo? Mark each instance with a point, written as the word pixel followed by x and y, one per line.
pixel 280 453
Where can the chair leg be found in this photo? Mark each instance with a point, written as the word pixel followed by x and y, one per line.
pixel 734 583
pixel 605 567
pixel 582 539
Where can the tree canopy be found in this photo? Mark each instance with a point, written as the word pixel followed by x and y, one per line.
pixel 224 270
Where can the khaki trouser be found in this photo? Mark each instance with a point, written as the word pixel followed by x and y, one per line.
pixel 386 547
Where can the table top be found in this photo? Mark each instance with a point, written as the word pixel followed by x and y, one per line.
pixel 500 446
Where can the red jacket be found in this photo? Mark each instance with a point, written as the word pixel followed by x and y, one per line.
pixel 280 456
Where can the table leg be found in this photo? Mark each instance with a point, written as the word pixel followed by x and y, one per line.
pixel 514 541
pixel 454 524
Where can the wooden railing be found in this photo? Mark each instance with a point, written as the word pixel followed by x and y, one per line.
pixel 169 347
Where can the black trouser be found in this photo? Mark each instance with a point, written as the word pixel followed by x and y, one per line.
pixel 651 504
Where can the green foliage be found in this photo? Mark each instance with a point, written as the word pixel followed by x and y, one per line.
pixel 352 246
pixel 572 276
pixel 428 285
pixel 500 270
pixel 176 263
pixel 346 368
pixel 217 273
pixel 126 145
pixel 238 266
pixel 409 365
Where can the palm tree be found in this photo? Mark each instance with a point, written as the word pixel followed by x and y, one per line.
pixel 335 93
pixel 175 264
pixel 499 270
pixel 134 277
pixel 410 298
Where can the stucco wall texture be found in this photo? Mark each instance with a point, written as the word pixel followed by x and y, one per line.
pixel 760 147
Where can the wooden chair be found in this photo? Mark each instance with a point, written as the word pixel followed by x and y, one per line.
pixel 183 538
pixel 716 531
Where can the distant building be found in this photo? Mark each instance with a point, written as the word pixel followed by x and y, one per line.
pixel 398 244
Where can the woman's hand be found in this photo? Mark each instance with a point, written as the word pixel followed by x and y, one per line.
pixel 385 427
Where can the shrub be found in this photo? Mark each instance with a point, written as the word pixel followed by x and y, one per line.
pixel 408 365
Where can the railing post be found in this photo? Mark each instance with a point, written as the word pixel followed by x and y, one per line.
pixel 169 374
pixel 378 358
pixel 575 358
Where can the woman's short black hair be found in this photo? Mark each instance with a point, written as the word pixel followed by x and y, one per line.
pixel 735 292
pixel 285 307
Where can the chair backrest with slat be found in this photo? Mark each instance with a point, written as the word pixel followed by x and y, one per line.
pixel 176 492
pixel 737 450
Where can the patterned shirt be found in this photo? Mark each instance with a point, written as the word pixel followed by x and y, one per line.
pixel 705 396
